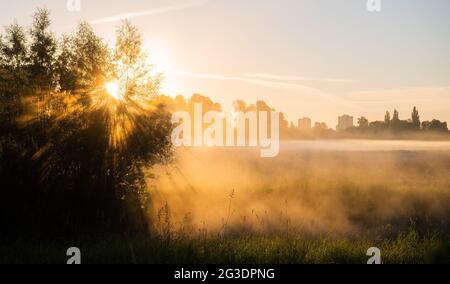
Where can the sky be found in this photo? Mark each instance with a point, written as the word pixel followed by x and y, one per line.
pixel 313 58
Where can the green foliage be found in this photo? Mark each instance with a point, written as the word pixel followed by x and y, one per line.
pixel 82 61
pixel 42 51
pixel 131 68
pixel 72 158
pixel 408 248
pixel 13 73
pixel 13 47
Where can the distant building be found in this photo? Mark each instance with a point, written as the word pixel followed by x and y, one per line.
pixel 344 122
pixel 304 123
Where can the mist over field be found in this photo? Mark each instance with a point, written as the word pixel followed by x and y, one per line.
pixel 370 189
pixel 95 100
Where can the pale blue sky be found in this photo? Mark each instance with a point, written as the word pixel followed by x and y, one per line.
pixel 316 58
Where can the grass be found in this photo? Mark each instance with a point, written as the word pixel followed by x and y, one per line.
pixel 408 247
pixel 306 207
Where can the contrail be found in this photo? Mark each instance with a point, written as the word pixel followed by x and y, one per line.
pixel 296 78
pixel 156 11
pixel 293 87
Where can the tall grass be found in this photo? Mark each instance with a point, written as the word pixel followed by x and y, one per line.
pixel 407 247
pixel 303 207
pixel 355 195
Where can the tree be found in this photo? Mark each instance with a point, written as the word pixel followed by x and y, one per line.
pixel 363 123
pixel 13 47
pixel 240 105
pixel 435 125
pixel 415 119
pixel 395 117
pixel 320 126
pixel 387 118
pixel 206 102
pixel 42 52
pixel 13 58
pixel 284 124
pixel 14 87
pixel 131 66
pixel 13 72
pixel 377 126
pixel 105 141
pixel 91 60
pixel 65 64
pixel 291 125
pixel 85 165
pixel 395 122
pixel 82 61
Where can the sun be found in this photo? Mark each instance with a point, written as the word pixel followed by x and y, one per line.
pixel 163 62
pixel 112 88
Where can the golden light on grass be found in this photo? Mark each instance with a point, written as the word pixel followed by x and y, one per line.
pixel 112 88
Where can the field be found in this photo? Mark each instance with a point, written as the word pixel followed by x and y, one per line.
pixel 406 248
pixel 305 206
pixel 313 192
pixel 313 203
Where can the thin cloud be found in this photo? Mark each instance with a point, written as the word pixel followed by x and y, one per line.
pixel 402 95
pixel 296 78
pixel 266 83
pixel 156 11
pixel 292 87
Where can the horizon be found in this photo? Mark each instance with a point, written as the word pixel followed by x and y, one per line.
pixel 399 58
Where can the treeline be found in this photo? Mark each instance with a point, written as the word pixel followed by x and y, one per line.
pixel 390 127
pixel 72 157
pixel 395 124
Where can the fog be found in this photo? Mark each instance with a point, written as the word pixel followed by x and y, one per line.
pixel 347 188
pixel 367 145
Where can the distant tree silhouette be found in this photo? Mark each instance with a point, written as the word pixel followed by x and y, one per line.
pixel 435 125
pixel 363 123
pixel 387 119
pixel 415 119
pixel 207 104
pixel 395 116
pixel 240 105
pixel 395 123
pixel 377 126
pixel 320 126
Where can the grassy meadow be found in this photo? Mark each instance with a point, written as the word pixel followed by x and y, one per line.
pixel 305 206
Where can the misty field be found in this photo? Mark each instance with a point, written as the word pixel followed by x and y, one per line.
pixel 313 203
pixel 88 156
pixel 317 202
pixel 312 192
